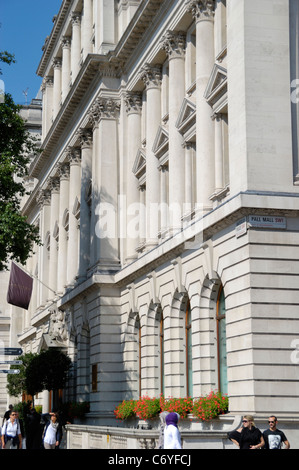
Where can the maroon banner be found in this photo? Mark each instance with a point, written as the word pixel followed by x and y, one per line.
pixel 19 287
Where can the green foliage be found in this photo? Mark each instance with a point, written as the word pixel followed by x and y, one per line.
pixel 182 406
pixel 17 237
pixel 125 410
pixel 16 382
pixel 47 371
pixel 210 406
pixel 147 408
pixel 203 408
pixel 72 410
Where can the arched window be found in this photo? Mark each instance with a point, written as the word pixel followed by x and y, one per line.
pixel 221 342
pixel 188 336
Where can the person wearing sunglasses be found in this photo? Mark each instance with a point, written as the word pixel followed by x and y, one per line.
pixel 11 433
pixel 273 437
pixel 248 436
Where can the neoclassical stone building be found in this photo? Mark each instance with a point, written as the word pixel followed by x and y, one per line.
pixel 167 201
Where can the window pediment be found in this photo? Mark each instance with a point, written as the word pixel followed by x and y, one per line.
pixel 217 85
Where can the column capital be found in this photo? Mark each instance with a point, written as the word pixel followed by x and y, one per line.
pixel 53 185
pixel 74 155
pixel 63 169
pixel 104 108
pixel 47 82
pixel 133 102
pixel 76 18
pixel 85 136
pixel 66 42
pixel 201 9
pixel 151 75
pixel 174 43
pixel 43 198
pixel 57 63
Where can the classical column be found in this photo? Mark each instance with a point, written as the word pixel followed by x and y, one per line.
pixel 74 156
pixel 57 63
pixel 86 28
pixel 203 12
pixel 133 103
pixel 47 90
pixel 174 44
pixel 76 44
pixel 44 201
pixel 151 76
pixel 86 175
pixel 66 66
pixel 188 180
pixel 64 174
pixel 105 243
pixel 163 202
pixel 54 215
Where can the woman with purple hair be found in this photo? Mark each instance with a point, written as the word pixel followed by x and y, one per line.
pixel 172 436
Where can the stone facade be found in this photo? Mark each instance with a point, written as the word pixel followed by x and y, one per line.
pixel 167 201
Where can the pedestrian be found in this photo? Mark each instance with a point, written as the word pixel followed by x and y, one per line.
pixel 11 433
pixel 7 414
pixel 52 434
pixel 21 424
pixel 172 436
pixel 273 437
pixel 248 436
pixel 33 430
pixel 162 417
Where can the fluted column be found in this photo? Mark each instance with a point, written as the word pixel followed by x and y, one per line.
pixel 54 188
pixel 86 28
pixel 133 106
pixel 47 90
pixel 188 206
pixel 86 175
pixel 105 243
pixel 74 157
pixel 66 66
pixel 203 13
pixel 76 44
pixel 44 201
pixel 174 44
pixel 152 79
pixel 64 175
pixel 57 63
pixel 164 200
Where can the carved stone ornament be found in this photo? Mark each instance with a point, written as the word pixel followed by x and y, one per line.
pixel 133 102
pixel 201 9
pixel 151 75
pixel 174 43
pixel 107 108
pixel 57 328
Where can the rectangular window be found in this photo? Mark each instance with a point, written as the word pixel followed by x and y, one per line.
pixel 94 378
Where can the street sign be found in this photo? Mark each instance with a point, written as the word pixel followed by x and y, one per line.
pixel 12 363
pixel 9 371
pixel 11 351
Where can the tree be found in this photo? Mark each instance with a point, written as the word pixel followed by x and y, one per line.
pixel 16 382
pixel 47 371
pixel 17 236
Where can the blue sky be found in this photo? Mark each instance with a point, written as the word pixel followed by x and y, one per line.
pixel 24 27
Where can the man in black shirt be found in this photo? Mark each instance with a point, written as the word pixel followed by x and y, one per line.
pixel 273 437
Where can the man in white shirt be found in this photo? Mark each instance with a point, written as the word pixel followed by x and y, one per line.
pixel 11 433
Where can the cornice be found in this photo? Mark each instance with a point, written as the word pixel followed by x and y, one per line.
pixel 94 65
